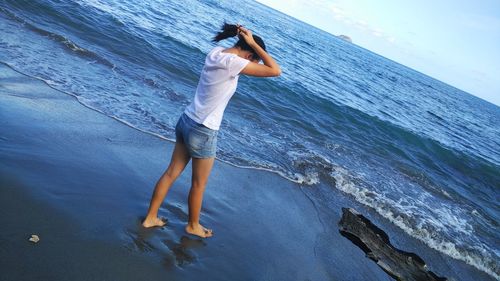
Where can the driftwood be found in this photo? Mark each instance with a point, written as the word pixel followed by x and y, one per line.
pixel 375 243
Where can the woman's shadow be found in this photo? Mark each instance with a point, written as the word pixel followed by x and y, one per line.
pixel 184 251
pixel 179 252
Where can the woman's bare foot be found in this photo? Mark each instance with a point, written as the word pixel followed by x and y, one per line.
pixel 151 222
pixel 198 230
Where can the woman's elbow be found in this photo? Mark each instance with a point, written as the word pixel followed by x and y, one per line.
pixel 277 72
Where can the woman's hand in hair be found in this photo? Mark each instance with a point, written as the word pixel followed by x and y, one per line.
pixel 247 35
pixel 269 69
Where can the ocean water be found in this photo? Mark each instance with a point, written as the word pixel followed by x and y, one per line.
pixel 419 152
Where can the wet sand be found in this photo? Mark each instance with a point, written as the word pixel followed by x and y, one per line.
pixel 82 182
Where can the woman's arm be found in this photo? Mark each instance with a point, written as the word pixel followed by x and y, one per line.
pixel 269 69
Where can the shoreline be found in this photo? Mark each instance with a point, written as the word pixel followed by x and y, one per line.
pixel 145 131
pixel 99 174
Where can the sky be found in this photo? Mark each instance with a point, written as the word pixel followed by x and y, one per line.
pixel 455 41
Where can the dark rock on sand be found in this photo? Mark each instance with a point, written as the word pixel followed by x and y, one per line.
pixel 375 243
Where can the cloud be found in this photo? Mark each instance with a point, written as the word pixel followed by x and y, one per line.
pixel 337 11
pixel 341 14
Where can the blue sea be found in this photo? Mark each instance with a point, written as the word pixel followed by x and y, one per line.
pixel 421 153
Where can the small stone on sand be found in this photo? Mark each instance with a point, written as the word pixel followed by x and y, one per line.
pixel 34 238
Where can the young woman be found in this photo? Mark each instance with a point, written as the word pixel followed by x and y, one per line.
pixel 197 128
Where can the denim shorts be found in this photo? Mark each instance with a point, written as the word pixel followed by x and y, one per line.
pixel 200 141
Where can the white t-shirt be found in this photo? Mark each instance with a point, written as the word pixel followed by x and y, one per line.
pixel 218 81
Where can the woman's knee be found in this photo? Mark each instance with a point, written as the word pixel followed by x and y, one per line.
pixel 198 185
pixel 173 172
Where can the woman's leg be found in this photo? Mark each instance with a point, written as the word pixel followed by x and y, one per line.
pixel 180 158
pixel 201 171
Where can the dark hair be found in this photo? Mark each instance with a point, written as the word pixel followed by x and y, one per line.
pixel 231 30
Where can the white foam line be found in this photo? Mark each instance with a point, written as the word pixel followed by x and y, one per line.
pixel 301 179
pixel 446 247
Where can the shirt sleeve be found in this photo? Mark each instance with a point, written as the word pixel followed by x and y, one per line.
pixel 235 65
